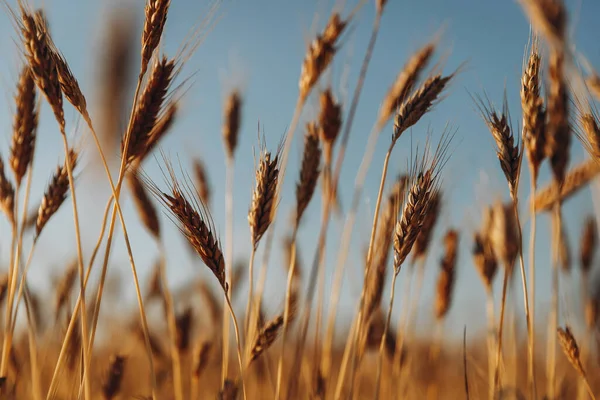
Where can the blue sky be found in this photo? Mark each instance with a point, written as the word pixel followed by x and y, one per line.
pixel 259 46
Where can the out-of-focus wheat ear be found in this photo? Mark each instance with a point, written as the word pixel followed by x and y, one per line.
pixel 3 287
pixel 232 121
pixel 593 84
pixel 148 108
pixel 7 195
pixel 201 357
pixel 383 242
pixel 447 277
pixel 548 17
pixel 507 151
pixel 309 171
pixel 590 137
pixel 266 337
pixel 264 201
pixel 114 377
pixel 320 54
pixel 39 55
pixel 534 112
pixel 194 221
pixel 64 288
pixel 564 250
pixel 162 126
pixel 154 23
pixel 55 194
pixel 201 180
pixel 419 103
pixel 24 126
pixel 558 138
pixel 155 290
pixel 184 323
pixel 116 56
pixel 405 81
pixel 591 312
pixel 229 391
pixel 485 260
pixel 330 122
pixel 503 235
pixel 424 237
pixel 576 179
pixel 589 243
pixel 155 344
pixel 570 348
pixel 143 204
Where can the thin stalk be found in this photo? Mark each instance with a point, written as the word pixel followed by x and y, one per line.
pixel 348 228
pixel 530 358
pixel 345 358
pixel 553 323
pixel 384 337
pixel 491 339
pixel 501 327
pixel 229 179
pixel 588 387
pixel 361 321
pixel 532 234
pixel 12 279
pixel 83 313
pixel 286 312
pixel 329 331
pixel 31 331
pixel 339 162
pixel 406 322
pixel 172 326
pixel 249 308
pixel 239 346
pixel 18 250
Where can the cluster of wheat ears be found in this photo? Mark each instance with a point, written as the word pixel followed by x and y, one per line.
pixel 273 357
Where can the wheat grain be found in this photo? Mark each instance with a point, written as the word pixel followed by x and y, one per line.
pixel 309 171
pixel 143 204
pixel 232 121
pixel 534 113
pixel 445 284
pixel 264 202
pixel 55 194
pixel 24 126
pixel 405 81
pixel 114 377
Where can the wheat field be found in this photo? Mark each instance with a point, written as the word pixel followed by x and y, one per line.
pixel 222 333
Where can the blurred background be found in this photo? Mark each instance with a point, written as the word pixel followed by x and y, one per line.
pixel 258 47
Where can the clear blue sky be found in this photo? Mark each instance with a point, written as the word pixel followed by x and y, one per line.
pixel 260 45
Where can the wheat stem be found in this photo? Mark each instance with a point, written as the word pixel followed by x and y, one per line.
pixel 171 324
pixel 238 341
pixel 83 312
pixel 228 257
pixel 12 279
pixel 361 317
pixel 286 311
pixel 553 323
pixel 383 338
pixel 530 353
pixel 501 327
pixel 532 236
